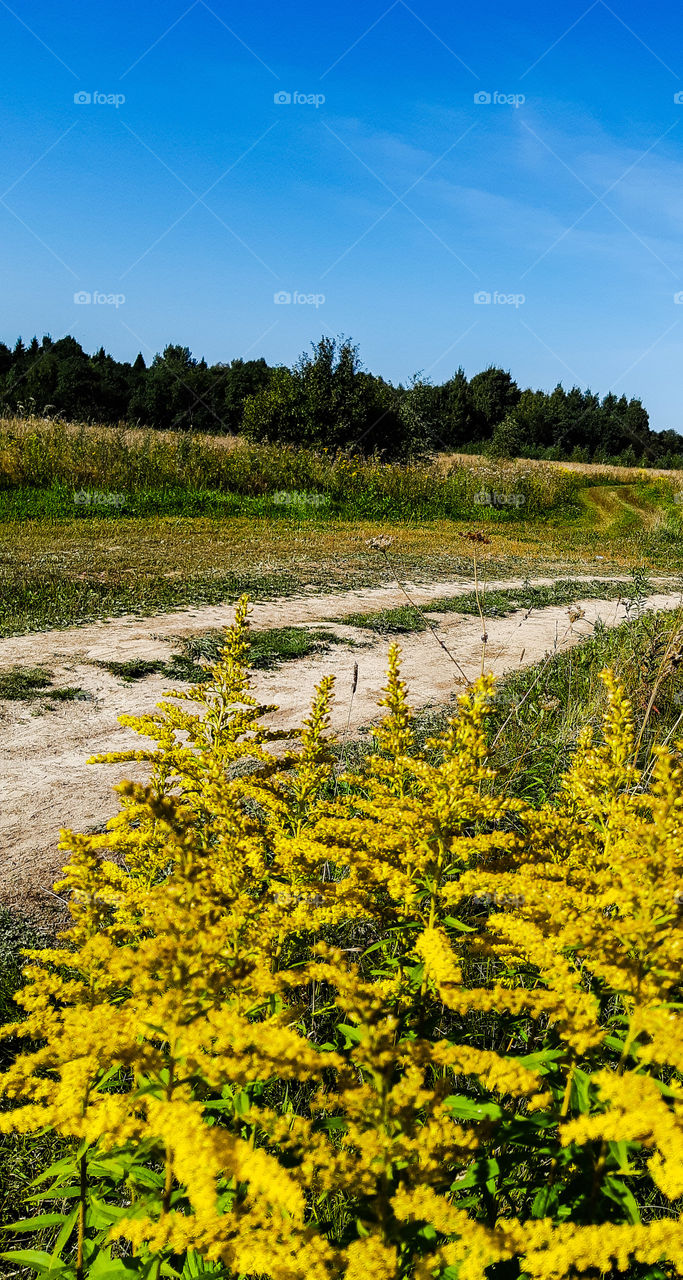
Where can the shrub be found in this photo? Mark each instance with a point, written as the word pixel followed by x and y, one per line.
pixel 327 400
pixel 387 1023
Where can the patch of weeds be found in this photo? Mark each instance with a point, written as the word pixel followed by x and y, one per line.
pixel 70 693
pixel 134 668
pixel 401 620
pixel 19 683
pixel 24 684
pixel 283 644
pixel 499 603
pixel 266 649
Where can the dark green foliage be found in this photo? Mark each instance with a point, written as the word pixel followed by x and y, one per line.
pixel 20 1159
pixel 20 684
pixel 133 668
pixel 400 621
pixel 327 400
pixel 493 394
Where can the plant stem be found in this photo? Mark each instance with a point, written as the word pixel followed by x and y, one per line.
pixel 83 1190
pixel 415 606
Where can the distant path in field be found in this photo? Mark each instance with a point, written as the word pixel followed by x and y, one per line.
pixel 606 504
pixel 44 780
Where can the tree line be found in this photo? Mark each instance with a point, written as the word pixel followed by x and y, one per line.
pixel 328 400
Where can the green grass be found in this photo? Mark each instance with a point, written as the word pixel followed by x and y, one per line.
pixel 400 621
pixel 48 599
pixel 133 668
pixel 43 465
pixel 495 604
pixel 21 684
pixel 200 523
pixel 267 649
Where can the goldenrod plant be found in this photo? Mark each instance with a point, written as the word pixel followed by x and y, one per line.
pixel 386 1023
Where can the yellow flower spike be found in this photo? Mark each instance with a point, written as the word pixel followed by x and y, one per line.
pixel 306 1008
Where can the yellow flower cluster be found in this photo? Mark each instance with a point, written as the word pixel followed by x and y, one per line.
pixel 391 1024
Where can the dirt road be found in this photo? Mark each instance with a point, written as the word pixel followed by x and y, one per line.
pixel 45 781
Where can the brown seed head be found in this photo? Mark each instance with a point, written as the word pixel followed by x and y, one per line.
pixel 475 535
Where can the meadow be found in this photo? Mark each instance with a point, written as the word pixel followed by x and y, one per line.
pixel 402 1004
pixel 102 522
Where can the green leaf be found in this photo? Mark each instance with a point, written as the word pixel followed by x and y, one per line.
pixel 353 1034
pixel 65 1232
pixel 545 1201
pixel 115 1168
pixel 580 1090
pixel 481 1172
pixel 68 1164
pixel 100 1214
pixel 545 1058
pixel 35 1224
pixel 241 1102
pixel 59 1193
pixel 620 1194
pixel 454 923
pixel 104 1267
pixel 35 1258
pixel 195 1265
pixel 469 1109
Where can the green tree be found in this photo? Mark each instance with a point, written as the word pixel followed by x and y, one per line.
pixel 327 399
pixel 493 394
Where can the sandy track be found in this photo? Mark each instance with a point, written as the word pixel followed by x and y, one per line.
pixel 46 784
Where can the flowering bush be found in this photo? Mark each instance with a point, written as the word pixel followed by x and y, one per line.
pixel 389 1023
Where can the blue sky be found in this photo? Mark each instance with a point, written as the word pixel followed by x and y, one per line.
pixel 381 211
